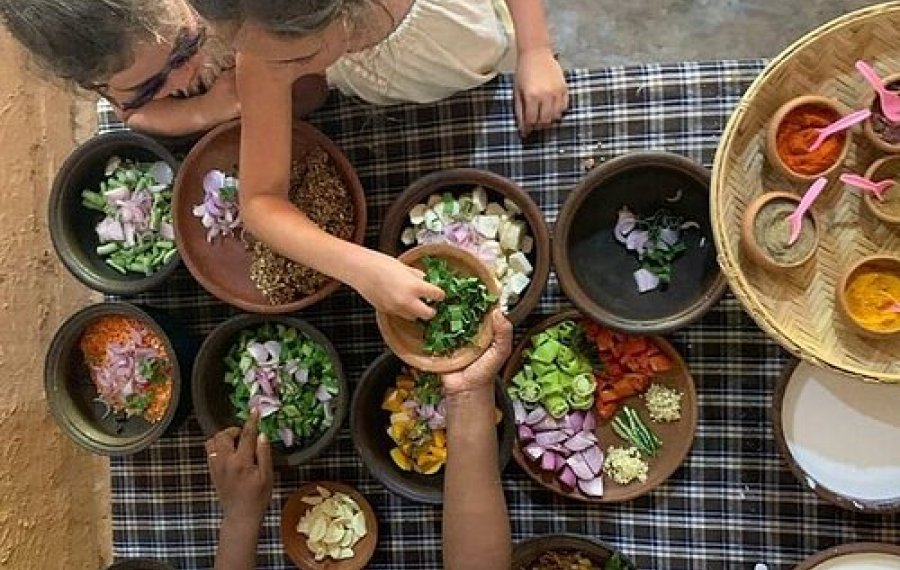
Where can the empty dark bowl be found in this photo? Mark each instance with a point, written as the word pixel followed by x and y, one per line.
pixel 596 272
pixel 212 395
pixel 140 564
pixel 72 226
pixel 369 424
pixel 529 551
pixel 72 396
pixel 458 181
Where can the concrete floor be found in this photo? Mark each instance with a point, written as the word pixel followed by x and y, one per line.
pixel 598 33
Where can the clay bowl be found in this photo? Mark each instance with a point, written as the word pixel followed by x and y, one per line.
pixel 772 133
pixel 892 81
pixel 751 246
pixel 529 551
pixel 854 556
pixel 212 395
pixel 678 437
pixel 72 226
pixel 405 338
pixel 369 423
pixel 140 564
pixel 884 168
pixel 295 543
pixel 458 181
pixel 223 267
pixel 72 396
pixel 595 271
pixel 886 263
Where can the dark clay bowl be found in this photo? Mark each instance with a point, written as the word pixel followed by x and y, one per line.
pixel 223 266
pixel 529 551
pixel 140 564
pixel 458 181
pixel 212 395
pixel 596 272
pixel 369 424
pixel 72 225
pixel 71 394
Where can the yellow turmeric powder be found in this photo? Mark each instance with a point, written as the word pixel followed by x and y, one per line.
pixel 873 300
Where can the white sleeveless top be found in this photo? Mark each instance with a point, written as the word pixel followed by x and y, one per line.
pixel 440 47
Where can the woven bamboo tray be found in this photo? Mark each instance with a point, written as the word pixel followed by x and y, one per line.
pixel 798 309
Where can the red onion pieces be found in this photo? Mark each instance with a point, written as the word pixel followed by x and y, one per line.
pixel 219 212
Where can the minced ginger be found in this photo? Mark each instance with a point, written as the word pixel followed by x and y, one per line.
pixel 625 465
pixel 663 403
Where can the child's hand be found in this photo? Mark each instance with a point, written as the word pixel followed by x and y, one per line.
pixel 221 102
pixel 241 470
pixel 541 94
pixel 483 371
pixel 397 289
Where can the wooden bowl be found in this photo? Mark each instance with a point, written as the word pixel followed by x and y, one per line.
pixel 223 266
pixel 854 556
pixel 771 148
pixel 405 338
pixel 140 564
pixel 872 103
pixel 369 423
pixel 748 236
pixel 888 263
pixel 457 181
pixel 295 543
pixel 596 272
pixel 678 437
pixel 887 167
pixel 527 552
pixel 212 395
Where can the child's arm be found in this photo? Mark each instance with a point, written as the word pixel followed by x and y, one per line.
pixel 476 525
pixel 172 116
pixel 269 215
pixel 541 95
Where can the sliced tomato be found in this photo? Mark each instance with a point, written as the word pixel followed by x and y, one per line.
pixel 638 382
pixel 659 363
pixel 607 410
pixel 609 395
pixel 634 345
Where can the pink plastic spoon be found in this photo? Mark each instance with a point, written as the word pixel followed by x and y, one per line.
pixel 890 100
pixel 877 189
pixel 796 217
pixel 838 126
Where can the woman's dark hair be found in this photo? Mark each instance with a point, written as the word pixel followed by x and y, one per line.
pixel 296 17
pixel 218 10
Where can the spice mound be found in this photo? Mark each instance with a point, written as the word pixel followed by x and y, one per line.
pixel 872 300
pixel 772 232
pixel 333 526
pixel 888 130
pixel 129 367
pixel 797 132
pixel 319 192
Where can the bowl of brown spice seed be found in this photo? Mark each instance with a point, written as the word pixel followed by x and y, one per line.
pixel 229 262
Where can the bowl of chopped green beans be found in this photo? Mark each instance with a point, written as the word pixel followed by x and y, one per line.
pixel 284 368
pixel 110 213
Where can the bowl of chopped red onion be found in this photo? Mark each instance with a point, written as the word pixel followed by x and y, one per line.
pixel 633 246
pixel 110 213
pixel 280 366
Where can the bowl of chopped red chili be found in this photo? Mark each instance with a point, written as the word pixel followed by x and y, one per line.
pixel 881 131
pixel 112 378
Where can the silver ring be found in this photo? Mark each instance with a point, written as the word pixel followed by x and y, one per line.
pixel 213 455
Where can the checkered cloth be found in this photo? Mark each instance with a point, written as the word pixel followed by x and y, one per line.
pixel 731 505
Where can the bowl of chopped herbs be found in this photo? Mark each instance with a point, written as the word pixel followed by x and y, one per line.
pixel 110 213
pixel 284 368
pixel 460 331
pixel 633 244
pixel 568 552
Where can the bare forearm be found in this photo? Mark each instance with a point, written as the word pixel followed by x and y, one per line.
pixel 476 525
pixel 238 540
pixel 174 117
pixel 530 20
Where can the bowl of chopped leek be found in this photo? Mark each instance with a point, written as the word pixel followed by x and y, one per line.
pixel 280 366
pixel 110 213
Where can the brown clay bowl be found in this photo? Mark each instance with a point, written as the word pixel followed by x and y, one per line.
pixel 881 169
pixel 457 181
pixel 529 551
pixel 854 555
pixel 405 338
pixel 295 543
pixel 886 263
pixel 893 81
pixel 223 266
pixel 140 564
pixel 772 133
pixel 748 238
pixel 678 437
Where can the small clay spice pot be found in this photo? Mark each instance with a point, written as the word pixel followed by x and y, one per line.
pixel 765 232
pixel 880 131
pixel 868 296
pixel 794 127
pixel 888 210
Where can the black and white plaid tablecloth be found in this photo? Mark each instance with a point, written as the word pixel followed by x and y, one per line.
pixel 733 504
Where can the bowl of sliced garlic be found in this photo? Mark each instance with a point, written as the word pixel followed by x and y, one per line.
pixel 328 526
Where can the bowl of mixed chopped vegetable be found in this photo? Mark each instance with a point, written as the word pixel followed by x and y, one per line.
pixel 110 213
pixel 112 378
pixel 228 261
pixel 284 368
pixel 461 329
pixel 567 552
pixel 485 214
pixel 633 245
pixel 397 419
